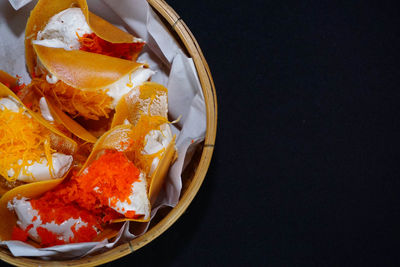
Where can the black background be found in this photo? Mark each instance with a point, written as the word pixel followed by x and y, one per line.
pixel 305 169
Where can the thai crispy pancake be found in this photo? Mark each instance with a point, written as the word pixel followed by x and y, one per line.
pixel 45 9
pixel 59 142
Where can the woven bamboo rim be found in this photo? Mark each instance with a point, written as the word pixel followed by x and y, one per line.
pixel 197 178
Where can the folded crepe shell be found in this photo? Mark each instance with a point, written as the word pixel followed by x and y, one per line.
pixel 149 98
pixel 135 104
pixel 83 70
pixel 119 138
pixel 45 9
pixel 70 124
pixel 7 79
pixel 59 141
pixel 157 179
pixel 33 94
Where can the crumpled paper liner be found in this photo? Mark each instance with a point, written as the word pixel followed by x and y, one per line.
pixel 173 69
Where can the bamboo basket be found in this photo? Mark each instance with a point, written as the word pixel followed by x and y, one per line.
pixel 191 179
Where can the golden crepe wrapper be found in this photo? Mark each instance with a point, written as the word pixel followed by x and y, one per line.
pixel 121 113
pixel 157 179
pixel 61 117
pixel 45 9
pixel 32 190
pixel 129 108
pixel 83 70
pixel 70 124
pixel 7 79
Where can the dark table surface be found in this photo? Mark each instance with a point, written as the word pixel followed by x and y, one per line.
pixel 306 165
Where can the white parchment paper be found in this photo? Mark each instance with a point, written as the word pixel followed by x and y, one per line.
pixel 173 69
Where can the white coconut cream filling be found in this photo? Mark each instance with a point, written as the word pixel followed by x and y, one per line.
pixel 45 110
pixel 127 83
pixel 139 202
pixel 51 79
pixel 155 141
pixel 9 103
pixel 26 213
pixel 62 29
pixel 13 105
pixel 39 171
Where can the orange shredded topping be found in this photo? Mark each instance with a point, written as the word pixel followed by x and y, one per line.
pixel 48 238
pixel 89 196
pixel 109 177
pixel 19 234
pixel 83 234
pixel 130 214
pixel 87 104
pixel 58 211
pixel 94 44
pixel 55 210
pixel 23 141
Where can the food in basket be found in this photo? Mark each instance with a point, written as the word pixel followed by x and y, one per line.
pixel 91 76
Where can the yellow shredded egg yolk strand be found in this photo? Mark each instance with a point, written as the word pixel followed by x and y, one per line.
pixel 23 141
pixel 88 104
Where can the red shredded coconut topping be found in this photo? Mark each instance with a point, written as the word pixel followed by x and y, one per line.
pixel 112 175
pixel 83 234
pixel 92 43
pixel 87 197
pixel 19 234
pixel 48 238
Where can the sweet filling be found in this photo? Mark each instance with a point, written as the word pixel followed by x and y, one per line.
pixel 63 29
